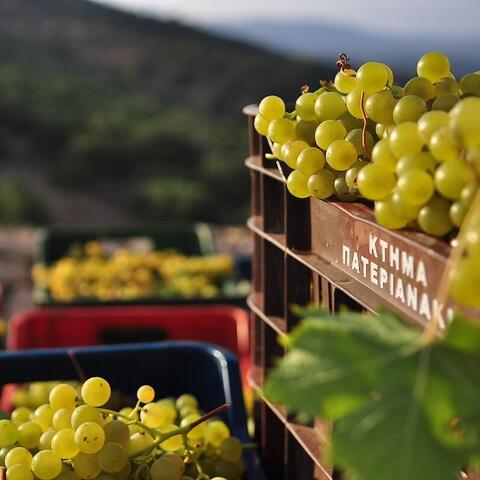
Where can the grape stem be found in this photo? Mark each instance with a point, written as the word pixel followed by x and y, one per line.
pixel 140 470
pixel 179 431
pixel 392 91
pixel 76 364
pixel 130 421
pixel 191 452
pixel 364 130
pixel 342 62
pixel 3 473
pixel 279 166
pixel 134 413
pixel 208 415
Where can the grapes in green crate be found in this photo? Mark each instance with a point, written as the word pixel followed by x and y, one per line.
pixel 94 442
pixel 128 275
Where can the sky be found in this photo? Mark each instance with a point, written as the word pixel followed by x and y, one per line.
pixel 403 17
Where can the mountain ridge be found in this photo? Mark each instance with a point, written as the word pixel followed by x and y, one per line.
pixel 80 31
pixel 140 113
pixel 323 41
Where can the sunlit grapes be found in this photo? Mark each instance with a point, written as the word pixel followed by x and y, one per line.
pixel 272 107
pixel 297 184
pixel 372 77
pixel 375 181
pixel 345 81
pixel 46 465
pixel 341 155
pixel 310 160
pixel 281 130
pixel 305 106
pixel 329 106
pixel 405 139
pixel 409 109
pixel 329 131
pixel 96 391
pixel 434 66
pixel 89 437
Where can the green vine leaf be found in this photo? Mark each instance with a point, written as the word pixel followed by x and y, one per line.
pixel 403 407
pixel 387 439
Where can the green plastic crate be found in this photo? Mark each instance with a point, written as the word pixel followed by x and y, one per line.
pixel 188 238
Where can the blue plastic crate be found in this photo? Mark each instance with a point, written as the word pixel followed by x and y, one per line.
pixel 172 368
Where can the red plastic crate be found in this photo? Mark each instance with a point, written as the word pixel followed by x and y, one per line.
pixel 80 326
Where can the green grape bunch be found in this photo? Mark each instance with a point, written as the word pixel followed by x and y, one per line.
pixel 73 436
pixel 412 151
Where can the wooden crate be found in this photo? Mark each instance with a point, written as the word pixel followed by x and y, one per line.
pixel 308 251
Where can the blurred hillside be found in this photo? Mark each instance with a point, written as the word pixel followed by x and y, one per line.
pixel 107 116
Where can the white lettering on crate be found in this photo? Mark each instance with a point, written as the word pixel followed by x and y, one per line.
pixel 398 273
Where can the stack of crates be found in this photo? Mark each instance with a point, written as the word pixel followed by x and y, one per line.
pixel 329 254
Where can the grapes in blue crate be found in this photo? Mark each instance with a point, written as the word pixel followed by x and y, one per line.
pixel 74 435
